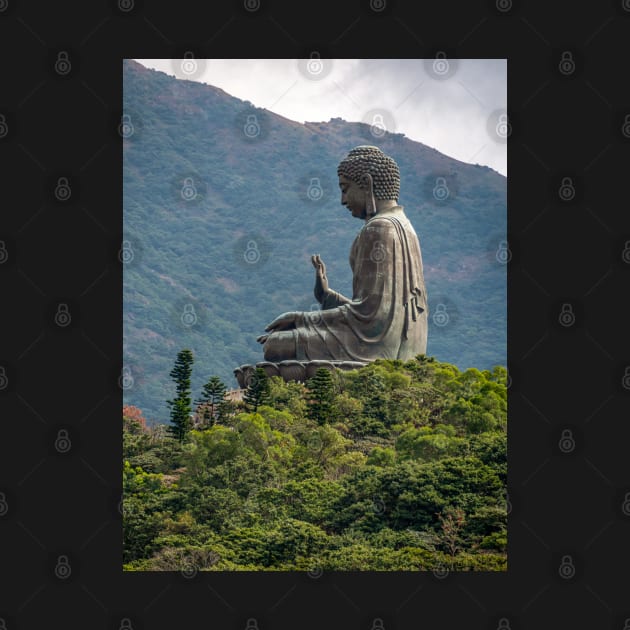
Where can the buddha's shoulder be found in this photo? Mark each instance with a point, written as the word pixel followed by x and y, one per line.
pixel 387 220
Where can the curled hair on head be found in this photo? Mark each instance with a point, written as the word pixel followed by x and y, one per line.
pixel 383 169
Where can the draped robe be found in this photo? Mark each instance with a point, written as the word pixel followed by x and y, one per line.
pixel 387 315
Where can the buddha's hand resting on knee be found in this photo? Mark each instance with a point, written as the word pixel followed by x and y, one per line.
pixel 286 321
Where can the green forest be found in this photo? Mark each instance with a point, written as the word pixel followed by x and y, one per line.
pixel 397 466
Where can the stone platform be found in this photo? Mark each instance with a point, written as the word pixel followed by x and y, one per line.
pixel 292 370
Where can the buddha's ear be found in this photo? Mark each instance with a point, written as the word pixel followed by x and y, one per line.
pixel 367 183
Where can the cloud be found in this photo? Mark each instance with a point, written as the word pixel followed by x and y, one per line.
pixel 456 113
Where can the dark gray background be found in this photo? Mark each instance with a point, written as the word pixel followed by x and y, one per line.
pixel 569 479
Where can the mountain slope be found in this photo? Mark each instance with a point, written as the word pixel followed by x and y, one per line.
pixel 223 205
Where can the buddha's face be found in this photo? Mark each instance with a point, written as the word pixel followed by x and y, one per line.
pixel 353 197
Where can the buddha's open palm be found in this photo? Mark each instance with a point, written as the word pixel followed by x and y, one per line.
pixel 321 281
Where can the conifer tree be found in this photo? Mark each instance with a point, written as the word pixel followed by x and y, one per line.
pixel 181 405
pixel 321 405
pixel 258 390
pixel 212 398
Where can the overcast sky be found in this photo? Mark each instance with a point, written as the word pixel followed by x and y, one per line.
pixel 456 106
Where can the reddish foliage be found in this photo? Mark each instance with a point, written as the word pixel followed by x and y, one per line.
pixel 133 415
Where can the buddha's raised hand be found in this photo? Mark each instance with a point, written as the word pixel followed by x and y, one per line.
pixel 321 281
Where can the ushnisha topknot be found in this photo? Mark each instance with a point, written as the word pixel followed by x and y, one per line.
pixel 383 169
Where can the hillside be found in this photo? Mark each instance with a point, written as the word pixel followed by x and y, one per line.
pixel 221 228
pixel 393 467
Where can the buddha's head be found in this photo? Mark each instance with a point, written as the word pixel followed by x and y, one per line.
pixel 383 181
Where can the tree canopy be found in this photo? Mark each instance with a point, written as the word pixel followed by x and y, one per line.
pixel 413 478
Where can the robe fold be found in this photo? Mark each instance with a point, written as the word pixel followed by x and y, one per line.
pixel 387 315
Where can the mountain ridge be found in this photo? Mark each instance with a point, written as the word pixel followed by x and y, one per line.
pixel 254 190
